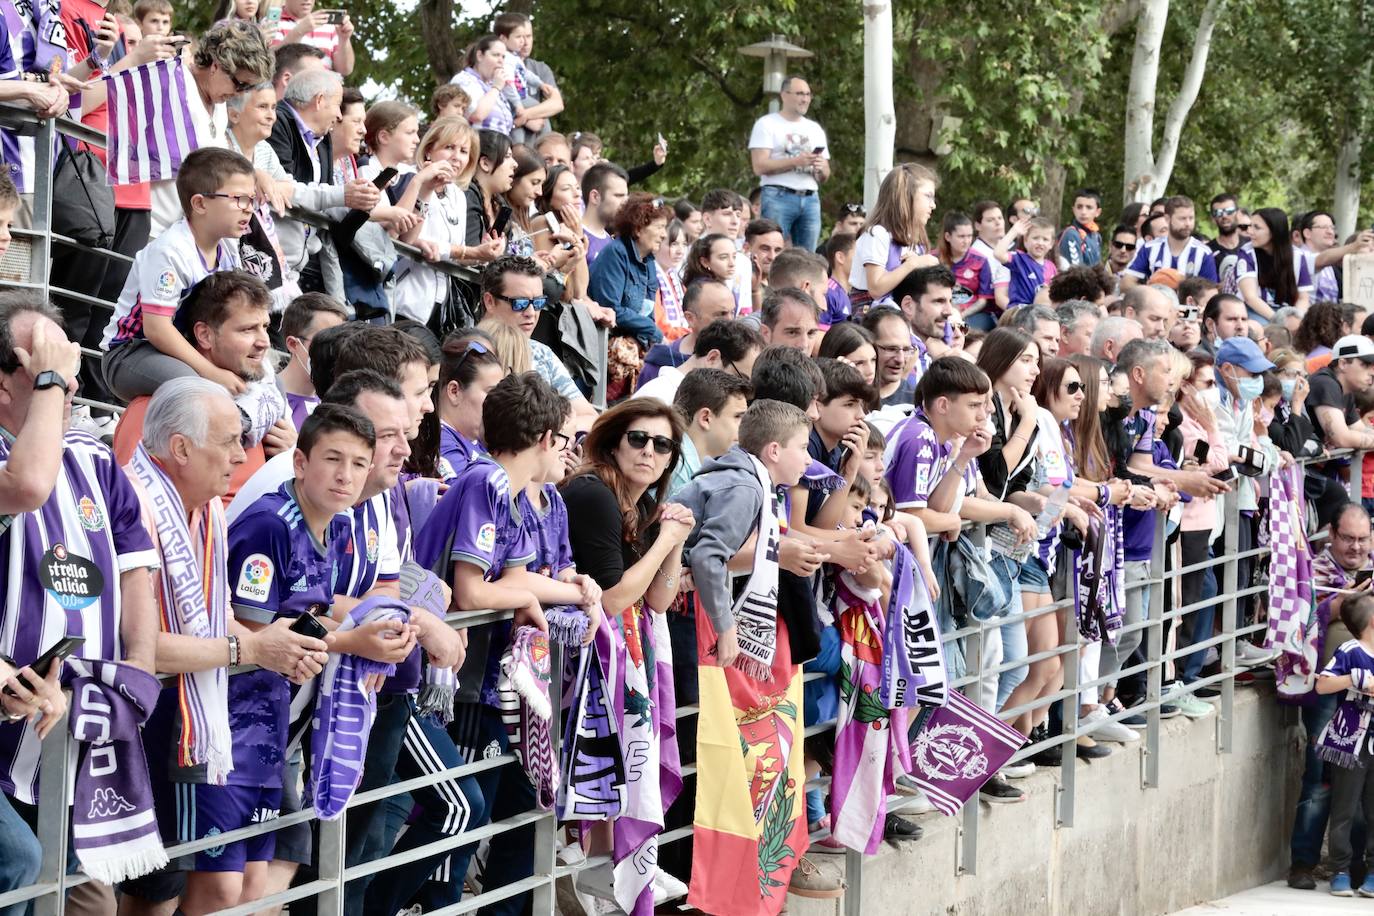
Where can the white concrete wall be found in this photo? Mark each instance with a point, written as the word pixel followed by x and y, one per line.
pixel 1217 824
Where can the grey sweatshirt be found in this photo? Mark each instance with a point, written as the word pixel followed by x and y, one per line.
pixel 725 497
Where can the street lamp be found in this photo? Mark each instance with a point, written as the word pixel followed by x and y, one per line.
pixel 776 52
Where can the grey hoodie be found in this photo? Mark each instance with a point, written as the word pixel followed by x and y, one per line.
pixel 725 497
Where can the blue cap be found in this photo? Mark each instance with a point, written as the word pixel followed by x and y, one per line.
pixel 1244 352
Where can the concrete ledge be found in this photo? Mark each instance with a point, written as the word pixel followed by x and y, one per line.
pixel 1217 824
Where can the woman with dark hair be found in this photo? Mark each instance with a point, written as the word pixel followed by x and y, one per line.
pixel 494 176
pixel 1133 216
pixel 1317 333
pixel 526 187
pixel 690 217
pixel 1269 272
pixel 853 344
pixel 973 291
pixel 712 257
pixel 623 276
pixel 672 251
pixel 484 80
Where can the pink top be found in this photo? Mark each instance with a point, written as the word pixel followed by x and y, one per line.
pixel 1201 514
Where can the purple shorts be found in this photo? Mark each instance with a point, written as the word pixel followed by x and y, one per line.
pixel 205 811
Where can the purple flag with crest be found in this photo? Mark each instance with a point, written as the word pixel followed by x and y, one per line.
pixel 958 748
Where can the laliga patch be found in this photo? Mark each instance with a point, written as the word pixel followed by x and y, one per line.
pixel 255 579
pixel 372 545
pixel 74 582
pixel 166 284
pixel 486 537
pixel 92 519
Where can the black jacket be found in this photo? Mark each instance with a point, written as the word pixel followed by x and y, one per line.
pixel 289 144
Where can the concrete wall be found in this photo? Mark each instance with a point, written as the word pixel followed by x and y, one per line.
pixel 1217 824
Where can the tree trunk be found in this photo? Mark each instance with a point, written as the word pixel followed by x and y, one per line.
pixel 441 45
pixel 880 124
pixel 1346 203
pixel 1147 176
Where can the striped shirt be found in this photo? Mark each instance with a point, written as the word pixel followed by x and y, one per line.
pixel 1195 261
pixel 325 37
pixel 60 570
pixel 1248 266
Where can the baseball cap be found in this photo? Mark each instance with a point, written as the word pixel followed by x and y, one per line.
pixel 1354 346
pixel 1244 352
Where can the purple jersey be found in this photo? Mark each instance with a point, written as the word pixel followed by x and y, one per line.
pixel 1195 261
pixel 302 406
pixel 60 576
pixel 837 305
pixel 916 462
pixel 547 525
pixel 455 451
pixel 279 569
pixel 1027 276
pixel 595 244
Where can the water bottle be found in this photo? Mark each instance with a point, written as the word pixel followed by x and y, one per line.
pixel 1054 506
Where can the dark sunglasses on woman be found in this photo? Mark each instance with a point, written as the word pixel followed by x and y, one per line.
pixel 638 438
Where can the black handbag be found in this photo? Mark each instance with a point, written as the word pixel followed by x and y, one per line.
pixel 461 309
pixel 83 207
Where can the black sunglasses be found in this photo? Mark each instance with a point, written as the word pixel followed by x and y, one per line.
pixel 1123 246
pixel 638 438
pixel 1073 387
pixel 519 305
pixel 1243 227
pixel 1224 211
pixel 854 210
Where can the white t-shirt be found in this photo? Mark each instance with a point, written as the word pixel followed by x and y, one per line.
pixel 785 139
pixel 212 127
pixel 662 386
pixel 872 247
pixel 419 287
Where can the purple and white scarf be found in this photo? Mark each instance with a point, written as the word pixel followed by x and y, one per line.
pixel 193 596
pixel 420 588
pixel 263 404
pixel 526 710
pixel 1100 599
pixel 913 659
pixel 344 711
pixel 567 625
pixel 958 748
pixel 593 787
pixel 114 830
pixel 1345 735
pixel 1290 565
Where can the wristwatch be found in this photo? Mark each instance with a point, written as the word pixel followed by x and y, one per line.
pixel 48 379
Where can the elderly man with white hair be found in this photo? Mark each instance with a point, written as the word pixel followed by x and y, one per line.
pixel 181 469
pixel 1112 335
pixel 300 138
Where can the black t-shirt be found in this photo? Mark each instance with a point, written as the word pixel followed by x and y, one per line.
pixel 597 536
pixel 1327 392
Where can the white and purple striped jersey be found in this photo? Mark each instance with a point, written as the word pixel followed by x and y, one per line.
pixel 1195 261
pixel 60 567
pixel 1303 262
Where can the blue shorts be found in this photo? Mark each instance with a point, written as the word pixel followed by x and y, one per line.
pixel 1034 576
pixel 206 810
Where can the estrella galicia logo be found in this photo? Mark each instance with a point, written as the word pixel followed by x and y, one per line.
pixel 108 803
pixel 73 581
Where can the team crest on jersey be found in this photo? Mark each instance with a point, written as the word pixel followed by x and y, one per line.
pixel 372 545
pixel 166 284
pixel 486 537
pixel 92 519
pixel 255 579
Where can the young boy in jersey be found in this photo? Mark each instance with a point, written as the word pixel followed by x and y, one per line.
pixel 286 553
pixel 143 345
pixel 1081 242
pixel 1032 269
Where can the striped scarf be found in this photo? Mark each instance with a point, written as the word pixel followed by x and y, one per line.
pixel 1290 567
pixel 527 711
pixel 193 597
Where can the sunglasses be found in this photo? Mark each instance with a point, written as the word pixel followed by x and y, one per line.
pixel 1123 246
pixel 473 346
pixel 1243 227
pixel 1224 211
pixel 538 303
pixel 1073 387
pixel 638 438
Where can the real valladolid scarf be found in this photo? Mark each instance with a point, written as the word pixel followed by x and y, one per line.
pixel 958 748
pixel 344 710
pixel 1344 736
pixel 527 712
pixel 756 611
pixel 913 659
pixel 1290 585
pixel 420 588
pixel 114 831
pixel 192 602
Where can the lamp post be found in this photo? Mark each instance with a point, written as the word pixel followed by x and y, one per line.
pixel 776 52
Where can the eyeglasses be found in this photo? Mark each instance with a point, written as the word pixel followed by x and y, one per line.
pixel 905 351
pixel 1218 212
pixel 1123 246
pixel 565 443
pixel 519 305
pixel 243 202
pixel 958 326
pixel 638 438
pixel 1243 227
pixel 1073 387
pixel 1354 538
pixel 735 369
pixel 239 85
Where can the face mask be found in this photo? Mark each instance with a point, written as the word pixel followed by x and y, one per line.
pixel 1211 397
pixel 304 361
pixel 1248 389
pixel 1288 385
pixel 1266 416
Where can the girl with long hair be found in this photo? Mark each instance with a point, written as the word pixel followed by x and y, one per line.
pixel 711 257
pixel 853 344
pixel 1269 272
pixel 494 176
pixel 894 241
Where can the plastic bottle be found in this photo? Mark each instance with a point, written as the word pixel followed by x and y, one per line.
pixel 1054 507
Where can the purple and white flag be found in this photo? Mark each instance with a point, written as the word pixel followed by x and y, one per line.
pixel 114 830
pixel 344 710
pixel 151 131
pixel 913 660
pixel 1290 565
pixel 957 749
pixel 593 784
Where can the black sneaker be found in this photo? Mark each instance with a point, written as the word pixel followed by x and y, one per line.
pixel 897 829
pixel 1207 693
pixel 1300 878
pixel 1169 710
pixel 1092 751
pixel 998 791
pixel 1134 720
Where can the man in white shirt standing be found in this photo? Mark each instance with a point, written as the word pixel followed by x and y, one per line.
pixel 790 155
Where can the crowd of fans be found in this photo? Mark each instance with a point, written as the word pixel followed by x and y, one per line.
pixel 319 430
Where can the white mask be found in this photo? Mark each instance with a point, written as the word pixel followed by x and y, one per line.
pixel 1211 397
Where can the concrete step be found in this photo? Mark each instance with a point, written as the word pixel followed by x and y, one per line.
pixel 1278 899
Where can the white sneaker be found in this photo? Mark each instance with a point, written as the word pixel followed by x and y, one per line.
pixel 597 881
pixel 666 887
pixel 1212 656
pixel 1106 730
pixel 1017 770
pixel 1250 654
pixel 102 427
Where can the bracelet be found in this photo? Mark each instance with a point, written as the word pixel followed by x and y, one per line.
pixel 234 651
pixel 668 579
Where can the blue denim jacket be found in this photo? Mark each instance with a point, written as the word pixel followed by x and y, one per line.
pixel 622 282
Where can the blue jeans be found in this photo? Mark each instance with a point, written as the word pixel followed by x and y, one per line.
pixel 799 215
pixel 1314 799
pixel 1014 647
pixel 20 855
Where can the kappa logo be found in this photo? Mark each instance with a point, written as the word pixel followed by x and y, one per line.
pixel 92 519
pixel 950 752
pixel 491 751
pixel 486 537
pixel 255 578
pixel 108 803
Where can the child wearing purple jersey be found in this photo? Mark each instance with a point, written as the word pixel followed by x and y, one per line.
pixel 1032 269
pixel 286 553
pixel 469 369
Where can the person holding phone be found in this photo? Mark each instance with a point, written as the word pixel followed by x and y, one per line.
pixel 329 30
pixel 791 156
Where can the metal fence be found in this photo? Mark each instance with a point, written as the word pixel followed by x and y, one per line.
pixel 49 892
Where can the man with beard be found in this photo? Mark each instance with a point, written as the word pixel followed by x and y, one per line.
pixel 225 319
pixel 1226 216
pixel 926 298
pixel 1176 249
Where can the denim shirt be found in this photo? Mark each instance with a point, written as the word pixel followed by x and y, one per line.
pixel 621 281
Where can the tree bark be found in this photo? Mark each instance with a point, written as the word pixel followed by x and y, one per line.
pixel 880 124
pixel 1345 208
pixel 441 44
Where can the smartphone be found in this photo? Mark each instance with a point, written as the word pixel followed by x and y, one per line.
pixel 333 17
pixel 663 144
pixel 307 625
pixel 818 150
pixel 43 664
pixel 1362 577
pixel 1190 313
pixel 1251 466
pixel 179 43
pixel 385 177
pixel 843 458
pixel 502 220
pixel 1227 475
pixel 552 222
pixel 1201 448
